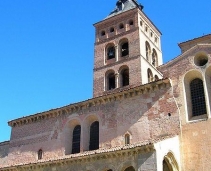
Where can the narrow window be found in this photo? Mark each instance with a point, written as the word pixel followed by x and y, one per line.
pixel 125 77
pixel 127 139
pixel 124 49
pixel 156 78
pixel 40 154
pixel 111 81
pixel 111 52
pixel 154 58
pixel 94 136
pixel 150 75
pixel 131 22
pixel 148 50
pixel 197 97
pixel 103 33
pixel 121 26
pixel 111 29
pixel 76 139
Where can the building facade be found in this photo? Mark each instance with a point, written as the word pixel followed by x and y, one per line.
pixel 144 115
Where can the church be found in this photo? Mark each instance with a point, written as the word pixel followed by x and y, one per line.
pixel 145 115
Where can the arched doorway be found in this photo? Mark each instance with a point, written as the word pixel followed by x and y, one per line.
pixel 170 163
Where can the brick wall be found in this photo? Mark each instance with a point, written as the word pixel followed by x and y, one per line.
pixel 195 135
pixel 145 116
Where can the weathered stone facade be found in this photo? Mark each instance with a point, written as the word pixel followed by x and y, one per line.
pixel 143 110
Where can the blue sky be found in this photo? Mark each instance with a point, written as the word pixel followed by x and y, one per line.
pixel 47 48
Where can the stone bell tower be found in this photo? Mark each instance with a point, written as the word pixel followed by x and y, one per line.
pixel 127 49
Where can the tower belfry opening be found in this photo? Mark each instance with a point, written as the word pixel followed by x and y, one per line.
pixel 125 31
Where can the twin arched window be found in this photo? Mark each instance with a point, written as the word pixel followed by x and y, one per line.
pixel 93 138
pixel 123 50
pixel 111 82
pixel 152 58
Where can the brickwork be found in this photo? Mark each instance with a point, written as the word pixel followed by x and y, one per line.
pixel 129 33
pixel 143 116
pixel 195 139
pixel 4 148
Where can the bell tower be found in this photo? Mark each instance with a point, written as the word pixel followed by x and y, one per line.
pixel 127 49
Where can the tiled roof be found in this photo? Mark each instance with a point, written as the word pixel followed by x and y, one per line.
pixel 119 92
pixel 122 6
pixel 145 145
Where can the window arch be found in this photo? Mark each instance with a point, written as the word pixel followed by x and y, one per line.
pixel 131 168
pixel 110 80
pixel 124 76
pixel 94 136
pixel 40 154
pixel 170 163
pixel 131 22
pixel 110 52
pixel 76 139
pixel 149 75
pixel 121 26
pixel 148 50
pixel 154 58
pixel 127 139
pixel 197 97
pixel 111 29
pixel 125 49
pixel 103 33
pixel 156 78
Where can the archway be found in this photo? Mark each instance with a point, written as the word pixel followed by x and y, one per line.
pixel 170 163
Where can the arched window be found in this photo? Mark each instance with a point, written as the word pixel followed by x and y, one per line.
pixel 125 77
pixel 76 139
pixel 127 139
pixel 121 26
pixel 94 136
pixel 110 52
pixel 131 168
pixel 124 49
pixel 156 78
pixel 40 154
pixel 197 97
pixel 111 83
pixel 148 50
pixel 130 22
pixel 149 75
pixel 154 58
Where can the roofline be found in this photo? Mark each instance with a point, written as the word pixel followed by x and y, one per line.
pixel 180 44
pixel 141 147
pixel 110 96
pixel 138 7
pixel 179 57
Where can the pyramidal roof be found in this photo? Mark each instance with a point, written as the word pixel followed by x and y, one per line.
pixel 124 5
